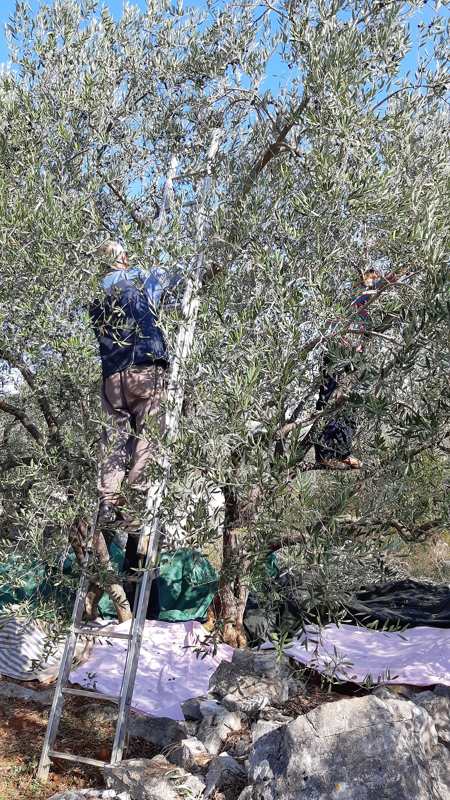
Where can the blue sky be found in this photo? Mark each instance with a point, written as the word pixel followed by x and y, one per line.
pixel 7 8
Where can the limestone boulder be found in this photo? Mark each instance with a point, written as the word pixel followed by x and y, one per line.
pixel 216 725
pixel 225 775
pixel 153 779
pixel 162 732
pixel 354 749
pixel 251 682
pixel 437 704
pixel 190 754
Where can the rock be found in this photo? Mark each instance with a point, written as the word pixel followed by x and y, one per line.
pixel 159 731
pixel 265 663
pixel 225 775
pixel 191 708
pixel 211 738
pixel 271 714
pixel 251 705
pixel 385 693
pixel 423 697
pixel 246 794
pixel 262 727
pixel 190 754
pixel 239 745
pixel 152 779
pixel 13 691
pixel 438 707
pixel 241 688
pixel 394 690
pixel 441 691
pixel 354 749
pixel 191 727
pixel 217 723
pixel 201 708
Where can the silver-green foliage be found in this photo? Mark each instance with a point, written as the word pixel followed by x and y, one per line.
pixel 342 168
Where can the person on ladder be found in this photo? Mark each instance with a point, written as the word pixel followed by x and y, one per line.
pixel 135 359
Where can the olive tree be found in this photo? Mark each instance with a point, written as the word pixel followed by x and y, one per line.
pixel 341 169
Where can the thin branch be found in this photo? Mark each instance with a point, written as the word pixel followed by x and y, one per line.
pixel 426 445
pixel 288 427
pixel 23 418
pixel 12 462
pixel 140 221
pixel 398 91
pixel 273 149
pixel 41 399
pixel 364 526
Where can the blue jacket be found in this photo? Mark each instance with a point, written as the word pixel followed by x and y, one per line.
pixel 125 320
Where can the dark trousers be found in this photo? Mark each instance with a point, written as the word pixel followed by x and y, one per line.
pixel 335 439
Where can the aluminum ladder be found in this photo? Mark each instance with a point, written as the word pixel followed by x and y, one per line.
pixel 150 533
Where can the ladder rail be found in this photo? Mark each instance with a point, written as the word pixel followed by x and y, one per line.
pixel 66 659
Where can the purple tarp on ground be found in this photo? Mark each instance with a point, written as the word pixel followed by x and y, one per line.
pixel 417 656
pixel 169 671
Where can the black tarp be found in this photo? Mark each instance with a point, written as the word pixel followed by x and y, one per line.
pixel 406 602
pixel 399 603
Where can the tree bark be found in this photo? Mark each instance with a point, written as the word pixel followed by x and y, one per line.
pixel 233 590
pixel 106 579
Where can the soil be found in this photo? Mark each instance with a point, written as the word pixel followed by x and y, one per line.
pixel 22 728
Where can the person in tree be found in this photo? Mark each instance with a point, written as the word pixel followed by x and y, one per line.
pixel 135 359
pixel 333 445
pixel 372 282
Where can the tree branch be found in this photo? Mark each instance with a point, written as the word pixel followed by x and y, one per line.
pixel 273 149
pixel 364 527
pixel 141 222
pixel 41 399
pixel 23 418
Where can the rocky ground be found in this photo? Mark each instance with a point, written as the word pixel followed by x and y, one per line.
pixel 264 732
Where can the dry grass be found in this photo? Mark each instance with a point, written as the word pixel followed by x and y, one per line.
pixel 430 559
pixel 22 729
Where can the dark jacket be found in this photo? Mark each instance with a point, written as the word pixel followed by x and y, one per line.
pixel 127 331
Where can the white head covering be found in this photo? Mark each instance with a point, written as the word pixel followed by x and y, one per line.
pixel 112 250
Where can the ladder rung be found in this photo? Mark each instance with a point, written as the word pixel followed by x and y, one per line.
pixel 112 698
pixel 101 633
pixel 93 762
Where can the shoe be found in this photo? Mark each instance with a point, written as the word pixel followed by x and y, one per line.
pixel 111 516
pixel 341 463
pixel 107 516
pixel 352 462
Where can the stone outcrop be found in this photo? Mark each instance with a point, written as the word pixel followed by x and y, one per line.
pixel 252 681
pixel 357 749
pixel 225 775
pixel 153 779
pixel 190 754
pixel 391 745
pixel 437 704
